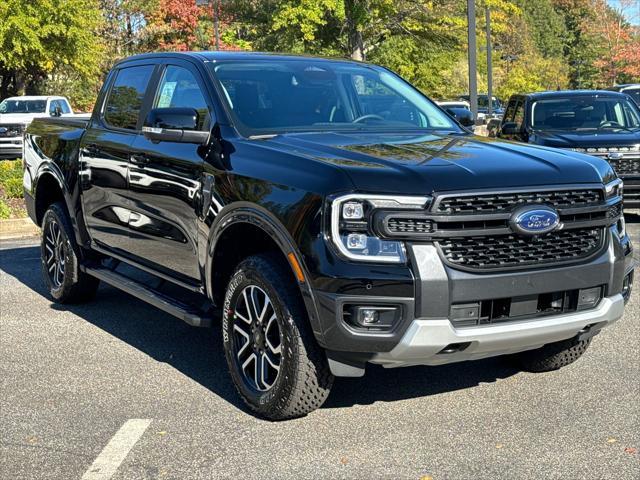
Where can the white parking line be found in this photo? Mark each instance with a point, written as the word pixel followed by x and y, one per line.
pixel 114 453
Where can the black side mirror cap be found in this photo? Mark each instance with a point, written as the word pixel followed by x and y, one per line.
pixel 174 125
pixel 509 128
pixel 462 115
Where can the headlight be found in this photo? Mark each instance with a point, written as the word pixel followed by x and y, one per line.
pixel 352 229
pixel 614 189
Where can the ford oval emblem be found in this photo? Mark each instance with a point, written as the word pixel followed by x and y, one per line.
pixel 532 220
pixel 3 130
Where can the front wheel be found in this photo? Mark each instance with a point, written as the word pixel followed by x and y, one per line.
pixel 276 365
pixel 60 260
pixel 553 356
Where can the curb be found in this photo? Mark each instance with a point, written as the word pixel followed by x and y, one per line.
pixel 15 228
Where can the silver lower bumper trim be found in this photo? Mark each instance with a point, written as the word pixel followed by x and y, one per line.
pixel 424 339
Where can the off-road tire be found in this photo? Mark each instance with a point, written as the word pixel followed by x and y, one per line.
pixel 304 379
pixel 72 286
pixel 553 355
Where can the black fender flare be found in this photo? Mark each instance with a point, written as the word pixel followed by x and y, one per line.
pixel 257 216
pixel 52 170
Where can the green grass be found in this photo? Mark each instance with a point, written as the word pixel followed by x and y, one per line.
pixel 5 211
pixel 11 192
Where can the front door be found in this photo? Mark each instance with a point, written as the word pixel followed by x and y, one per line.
pixel 165 182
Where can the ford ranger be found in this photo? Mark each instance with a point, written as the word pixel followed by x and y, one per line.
pixel 325 215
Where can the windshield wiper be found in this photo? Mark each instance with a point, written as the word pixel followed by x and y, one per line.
pixel 615 127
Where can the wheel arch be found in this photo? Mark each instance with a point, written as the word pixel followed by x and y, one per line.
pixel 250 229
pixel 48 189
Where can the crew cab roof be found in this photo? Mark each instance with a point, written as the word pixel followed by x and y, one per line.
pixel 212 56
pixel 571 93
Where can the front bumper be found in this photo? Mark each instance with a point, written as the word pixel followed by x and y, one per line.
pixel 425 329
pixel 425 340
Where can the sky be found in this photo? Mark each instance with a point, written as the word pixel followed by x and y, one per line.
pixel 632 12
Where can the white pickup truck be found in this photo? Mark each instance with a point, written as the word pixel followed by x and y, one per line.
pixel 18 112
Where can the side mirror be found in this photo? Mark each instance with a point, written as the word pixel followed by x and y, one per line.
pixel 57 111
pixel 462 115
pixel 174 125
pixel 509 128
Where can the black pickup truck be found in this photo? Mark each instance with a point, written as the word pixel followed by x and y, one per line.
pixel 604 124
pixel 325 215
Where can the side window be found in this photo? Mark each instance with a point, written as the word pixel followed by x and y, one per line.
pixel 52 106
pixel 180 89
pixel 64 106
pixel 123 105
pixel 508 114
pixel 518 116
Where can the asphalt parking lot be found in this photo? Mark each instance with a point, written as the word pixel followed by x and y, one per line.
pixel 71 377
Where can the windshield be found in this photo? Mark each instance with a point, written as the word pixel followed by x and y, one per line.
pixel 585 113
pixel 279 96
pixel 23 106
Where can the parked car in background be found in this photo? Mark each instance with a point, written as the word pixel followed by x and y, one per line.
pixel 497 108
pixel 18 112
pixel 460 111
pixel 604 124
pixel 632 89
pixel 331 215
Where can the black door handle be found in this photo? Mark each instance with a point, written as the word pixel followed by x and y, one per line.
pixel 140 160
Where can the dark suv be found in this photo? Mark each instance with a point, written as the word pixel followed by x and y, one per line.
pixel 324 214
pixel 600 123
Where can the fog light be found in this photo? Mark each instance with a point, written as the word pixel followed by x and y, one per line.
pixel 372 317
pixel 356 241
pixel 589 298
pixel 369 316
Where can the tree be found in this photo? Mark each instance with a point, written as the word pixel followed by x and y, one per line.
pixel 172 25
pixel 620 45
pixel 40 36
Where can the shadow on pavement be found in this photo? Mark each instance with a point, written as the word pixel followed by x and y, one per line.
pixel 197 353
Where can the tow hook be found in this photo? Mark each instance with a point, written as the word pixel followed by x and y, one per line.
pixel 589 331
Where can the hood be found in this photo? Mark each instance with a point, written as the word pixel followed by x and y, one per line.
pixel 421 164
pixel 19 118
pixel 585 139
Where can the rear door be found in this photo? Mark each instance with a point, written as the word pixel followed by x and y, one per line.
pixel 165 181
pixel 105 150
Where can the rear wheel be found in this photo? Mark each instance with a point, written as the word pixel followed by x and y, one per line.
pixel 276 365
pixel 553 356
pixel 60 260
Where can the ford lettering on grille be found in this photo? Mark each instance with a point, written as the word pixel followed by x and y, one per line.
pixel 534 220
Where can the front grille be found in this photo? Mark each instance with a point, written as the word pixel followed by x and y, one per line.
pixel 628 164
pixel 409 226
pixel 520 308
pixel 511 251
pixel 500 202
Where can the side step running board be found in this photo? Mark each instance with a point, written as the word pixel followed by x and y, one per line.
pixel 184 312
